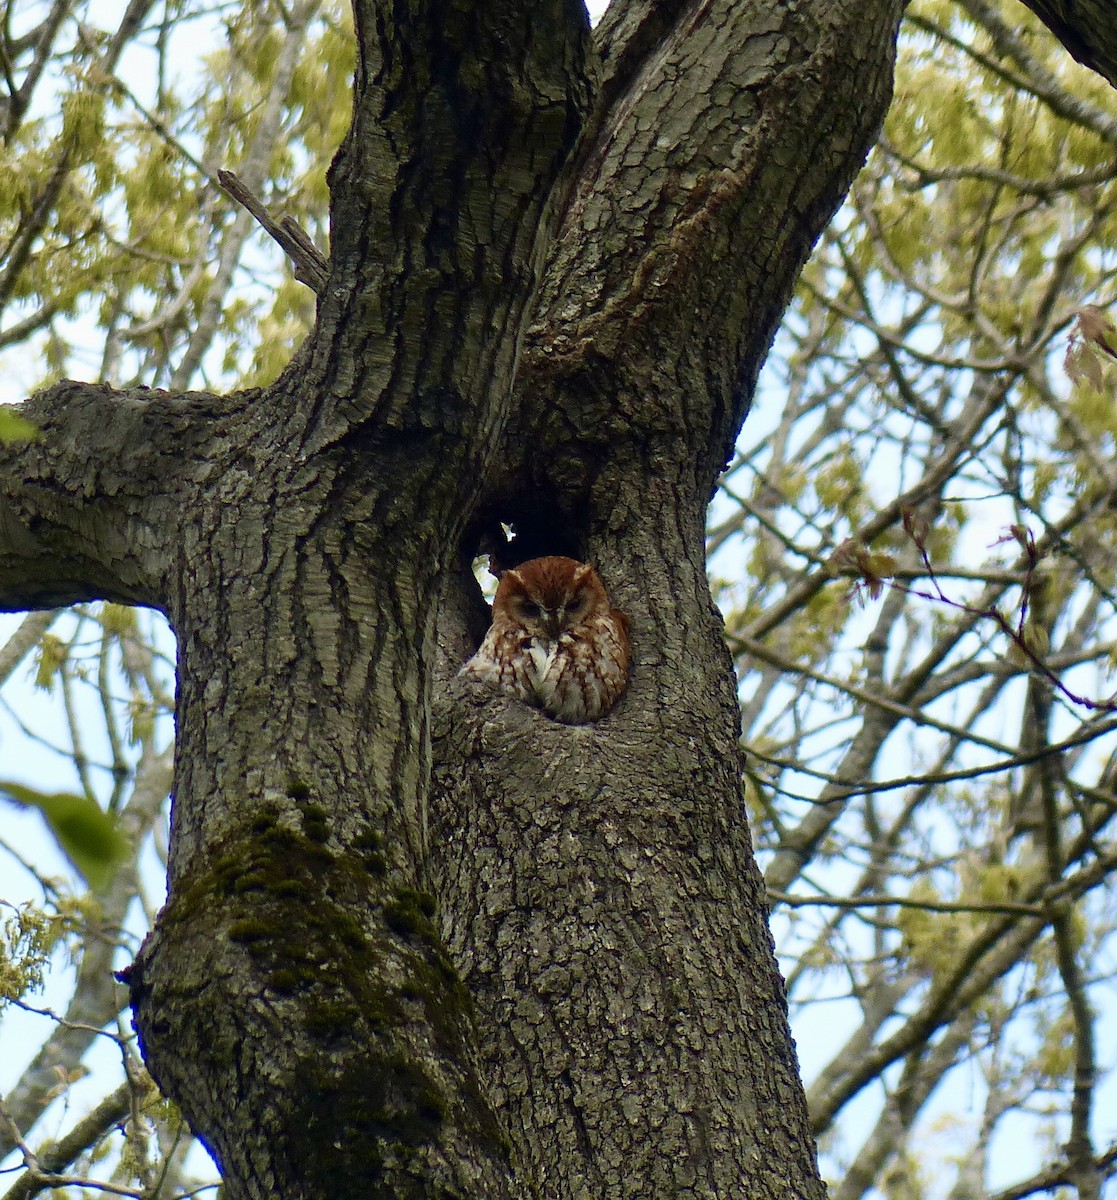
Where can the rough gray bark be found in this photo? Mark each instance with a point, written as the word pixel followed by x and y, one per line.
pixel 334 508
pixel 601 879
pixel 1086 27
pixel 621 1029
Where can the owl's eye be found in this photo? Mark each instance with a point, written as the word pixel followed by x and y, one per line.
pixel 529 609
pixel 576 605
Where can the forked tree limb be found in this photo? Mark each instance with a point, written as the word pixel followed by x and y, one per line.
pixel 311 266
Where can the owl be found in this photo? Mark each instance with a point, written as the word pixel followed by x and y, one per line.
pixel 555 641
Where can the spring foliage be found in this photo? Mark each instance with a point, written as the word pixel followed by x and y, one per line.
pixel 915 549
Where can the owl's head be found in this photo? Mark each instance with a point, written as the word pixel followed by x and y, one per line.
pixel 550 596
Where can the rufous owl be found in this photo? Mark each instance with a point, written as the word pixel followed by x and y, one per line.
pixel 555 642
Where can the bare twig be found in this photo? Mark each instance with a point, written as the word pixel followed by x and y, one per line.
pixel 795 900
pixel 24 640
pixel 311 266
pixel 43 1168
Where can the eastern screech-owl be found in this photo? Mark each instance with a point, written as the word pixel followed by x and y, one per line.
pixel 555 640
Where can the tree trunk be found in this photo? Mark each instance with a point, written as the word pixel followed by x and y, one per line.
pixel 551 974
pixel 597 885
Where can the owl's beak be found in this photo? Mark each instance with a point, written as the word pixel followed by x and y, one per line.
pixel 551 624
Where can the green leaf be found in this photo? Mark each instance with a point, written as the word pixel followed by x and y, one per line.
pixel 53 653
pixel 87 836
pixel 13 427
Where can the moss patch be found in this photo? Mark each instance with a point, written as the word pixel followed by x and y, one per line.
pixel 369 846
pixel 391 1100
pixel 409 913
pixel 297 788
pixel 358 970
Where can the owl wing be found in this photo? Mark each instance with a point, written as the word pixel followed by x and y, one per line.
pixel 501 660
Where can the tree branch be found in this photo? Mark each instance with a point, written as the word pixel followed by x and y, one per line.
pixel 1086 28
pixel 311 265
pixel 45 1166
pixel 86 507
